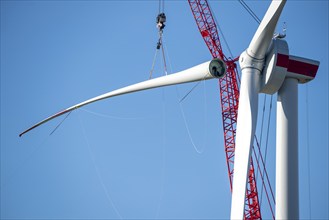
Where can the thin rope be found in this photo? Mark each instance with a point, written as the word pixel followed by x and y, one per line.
pixel 261 129
pixel 160 46
pixel 163 55
pixel 308 155
pixel 161 6
pixel 60 123
pixel 185 120
pixel 188 93
pixel 113 117
pixel 196 84
pixel 181 106
pixel 250 11
pixel 263 183
pixel 167 52
pixel 188 131
pixel 266 146
pixel 266 174
pixel 205 109
pixel 153 63
pixel 221 32
pixel 163 165
pixel 99 176
pixel 164 126
pixel 182 110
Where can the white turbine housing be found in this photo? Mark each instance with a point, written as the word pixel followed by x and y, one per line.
pixel 303 69
pixel 280 65
pixel 275 70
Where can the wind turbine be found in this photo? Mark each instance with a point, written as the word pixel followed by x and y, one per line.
pixel 270 70
pixel 266 67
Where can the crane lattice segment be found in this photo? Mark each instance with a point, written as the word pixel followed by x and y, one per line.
pixel 229 98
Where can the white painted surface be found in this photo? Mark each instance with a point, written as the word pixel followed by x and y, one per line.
pixel 246 125
pixel 287 206
pixel 251 63
pixel 264 34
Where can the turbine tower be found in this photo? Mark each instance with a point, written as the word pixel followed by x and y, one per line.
pixel 270 69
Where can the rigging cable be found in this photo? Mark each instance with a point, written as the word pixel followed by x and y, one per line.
pixel 163 164
pixel 113 117
pixel 153 63
pixel 266 146
pixel 164 58
pixel 182 110
pixel 262 178
pixel 221 32
pixel 60 123
pixel 160 20
pixel 250 11
pixel 261 129
pixel 189 92
pixel 185 120
pixel 97 170
pixel 161 6
pixel 188 131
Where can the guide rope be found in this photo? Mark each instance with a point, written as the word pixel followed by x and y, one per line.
pixel 181 103
pixel 261 128
pixel 99 176
pixel 266 145
pixel 163 163
pixel 112 116
pixel 250 11
pixel 263 179
pixel 60 123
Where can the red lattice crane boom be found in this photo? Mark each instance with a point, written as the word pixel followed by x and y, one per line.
pixel 229 98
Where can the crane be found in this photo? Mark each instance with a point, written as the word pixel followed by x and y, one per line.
pixel 229 99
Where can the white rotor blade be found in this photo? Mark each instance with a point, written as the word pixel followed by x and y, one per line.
pixel 264 34
pixel 211 69
pixel 251 63
pixel 245 131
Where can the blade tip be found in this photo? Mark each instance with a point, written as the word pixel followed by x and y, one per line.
pixel 21 134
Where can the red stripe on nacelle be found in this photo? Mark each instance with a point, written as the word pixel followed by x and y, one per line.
pixel 282 60
pixel 295 66
pixel 302 68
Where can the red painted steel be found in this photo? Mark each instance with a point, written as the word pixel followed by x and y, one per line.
pixel 229 97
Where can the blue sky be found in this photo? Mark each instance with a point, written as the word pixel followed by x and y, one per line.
pixel 132 156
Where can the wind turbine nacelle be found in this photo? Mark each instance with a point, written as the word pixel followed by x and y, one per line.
pixel 280 65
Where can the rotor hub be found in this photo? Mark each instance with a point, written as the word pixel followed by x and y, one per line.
pixel 217 68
